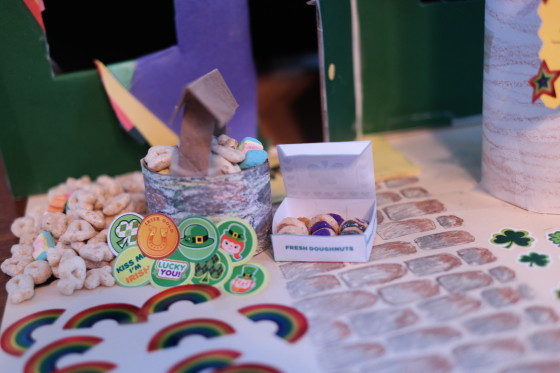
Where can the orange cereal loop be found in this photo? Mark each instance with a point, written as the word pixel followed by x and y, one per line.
pixel 57 203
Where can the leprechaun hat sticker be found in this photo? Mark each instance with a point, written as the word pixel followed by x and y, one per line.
pixel 199 238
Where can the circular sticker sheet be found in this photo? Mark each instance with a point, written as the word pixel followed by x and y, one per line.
pixel 213 271
pixel 158 236
pixel 237 239
pixel 131 268
pixel 172 271
pixel 199 238
pixel 123 232
pixel 247 279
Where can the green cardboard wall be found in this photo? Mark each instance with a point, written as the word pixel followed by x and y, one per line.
pixel 421 63
pixel 53 127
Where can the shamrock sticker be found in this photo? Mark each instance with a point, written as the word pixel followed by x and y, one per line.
pixel 540 260
pixel 554 238
pixel 509 237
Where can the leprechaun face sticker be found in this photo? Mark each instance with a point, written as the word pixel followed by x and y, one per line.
pixel 233 241
pixel 238 239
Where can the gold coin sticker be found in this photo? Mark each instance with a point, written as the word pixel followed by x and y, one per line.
pixel 158 236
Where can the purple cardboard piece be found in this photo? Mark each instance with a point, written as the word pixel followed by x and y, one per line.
pixel 211 34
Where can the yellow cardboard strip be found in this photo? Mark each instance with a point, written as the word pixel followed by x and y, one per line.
pixel 153 130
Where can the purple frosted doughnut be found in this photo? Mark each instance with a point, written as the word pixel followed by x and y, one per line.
pixel 358 223
pixel 324 232
pixel 350 231
pixel 326 218
pixel 339 219
pixel 319 225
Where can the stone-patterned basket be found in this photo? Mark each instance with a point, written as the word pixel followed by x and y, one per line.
pixel 245 195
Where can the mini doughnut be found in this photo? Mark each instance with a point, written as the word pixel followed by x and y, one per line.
pixel 231 155
pixel 227 141
pixel 78 230
pixel 339 219
pixel 20 288
pixel 325 218
pixel 221 166
pixel 94 265
pixel 56 256
pixel 74 184
pixel 304 220
pixel 100 276
pixel 159 157
pixel 95 218
pixel 292 229
pixel 292 222
pixel 321 225
pixel 39 270
pixel 139 200
pixel 109 186
pixel 55 223
pixel 28 238
pixel 77 245
pixel 72 273
pixel 15 265
pixel 324 232
pixel 358 223
pixel 81 199
pixel 21 250
pixel 96 252
pixel 116 204
pixel 99 237
pixel 132 182
pixel 23 225
pixel 350 231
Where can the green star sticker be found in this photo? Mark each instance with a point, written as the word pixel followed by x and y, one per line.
pixel 540 260
pixel 509 237
pixel 554 237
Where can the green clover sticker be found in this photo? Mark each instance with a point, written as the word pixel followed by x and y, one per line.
pixel 540 260
pixel 509 237
pixel 123 232
pixel 554 238
pixel 213 271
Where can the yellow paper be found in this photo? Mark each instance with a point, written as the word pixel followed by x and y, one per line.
pixel 387 161
pixel 153 130
pixel 549 11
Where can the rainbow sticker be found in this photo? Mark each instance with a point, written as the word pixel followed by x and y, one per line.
pixel 291 323
pixel 249 368
pixel 17 338
pixel 214 359
pixel 46 358
pixel 122 313
pixel 194 293
pixel 89 367
pixel 173 334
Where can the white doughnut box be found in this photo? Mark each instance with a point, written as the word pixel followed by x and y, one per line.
pixel 322 178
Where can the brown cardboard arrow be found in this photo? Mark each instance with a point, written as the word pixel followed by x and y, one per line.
pixel 208 105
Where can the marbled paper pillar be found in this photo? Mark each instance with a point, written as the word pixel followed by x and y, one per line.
pixel 521 116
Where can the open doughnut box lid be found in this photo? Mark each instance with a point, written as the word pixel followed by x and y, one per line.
pixel 322 178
